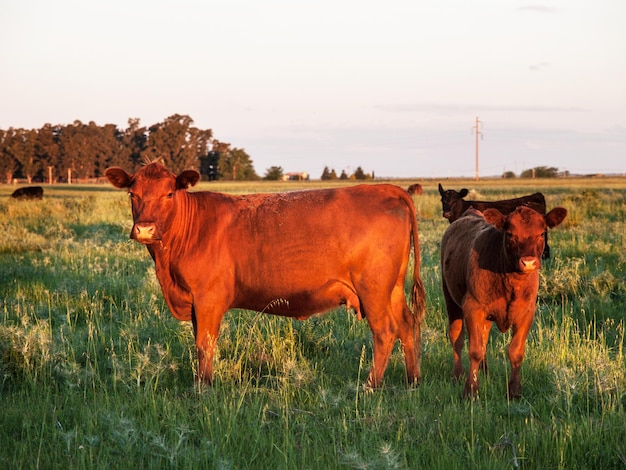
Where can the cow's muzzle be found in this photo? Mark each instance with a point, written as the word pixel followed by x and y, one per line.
pixel 145 233
pixel 528 264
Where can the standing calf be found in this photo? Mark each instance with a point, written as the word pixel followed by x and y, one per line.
pixel 490 273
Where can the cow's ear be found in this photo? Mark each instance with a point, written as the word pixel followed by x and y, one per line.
pixel 494 217
pixel 187 178
pixel 118 177
pixel 463 192
pixel 556 216
pixel 441 191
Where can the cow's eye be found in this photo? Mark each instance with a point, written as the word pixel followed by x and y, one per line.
pixel 170 195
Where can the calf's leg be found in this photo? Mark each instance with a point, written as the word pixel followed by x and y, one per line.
pixel 486 330
pixel 455 332
pixel 475 323
pixel 516 356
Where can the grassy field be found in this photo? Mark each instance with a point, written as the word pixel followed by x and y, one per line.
pixel 95 373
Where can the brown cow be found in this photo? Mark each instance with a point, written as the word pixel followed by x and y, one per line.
pixel 415 188
pixel 292 254
pixel 454 206
pixel 490 273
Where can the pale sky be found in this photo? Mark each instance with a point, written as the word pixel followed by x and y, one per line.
pixel 394 87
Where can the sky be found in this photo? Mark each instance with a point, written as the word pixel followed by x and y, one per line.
pixel 393 87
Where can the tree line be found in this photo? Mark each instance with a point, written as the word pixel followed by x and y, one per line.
pixel 78 151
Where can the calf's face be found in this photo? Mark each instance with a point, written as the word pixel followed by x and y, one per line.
pixel 524 234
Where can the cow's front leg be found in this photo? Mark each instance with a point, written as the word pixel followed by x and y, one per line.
pixel 486 330
pixel 516 356
pixel 475 324
pixel 206 327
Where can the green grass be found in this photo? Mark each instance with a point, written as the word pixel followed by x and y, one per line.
pixel 95 373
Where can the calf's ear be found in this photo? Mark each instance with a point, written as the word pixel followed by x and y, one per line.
pixel 441 191
pixel 187 178
pixel 463 192
pixel 556 216
pixel 494 217
pixel 118 177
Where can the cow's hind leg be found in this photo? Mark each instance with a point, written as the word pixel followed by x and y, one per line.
pixel 395 321
pixel 455 333
pixel 410 335
pixel 384 338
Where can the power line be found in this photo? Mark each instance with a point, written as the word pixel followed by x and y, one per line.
pixel 478 132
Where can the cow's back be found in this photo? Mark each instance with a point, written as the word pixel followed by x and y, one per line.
pixel 535 201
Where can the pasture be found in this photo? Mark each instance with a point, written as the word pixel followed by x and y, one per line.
pixel 96 373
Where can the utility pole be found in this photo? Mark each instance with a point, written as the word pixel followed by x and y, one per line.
pixel 478 132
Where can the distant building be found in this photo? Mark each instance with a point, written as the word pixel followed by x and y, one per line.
pixel 296 176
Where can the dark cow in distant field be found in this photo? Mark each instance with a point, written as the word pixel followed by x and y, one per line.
pixel 292 254
pixel 490 273
pixel 28 192
pixel 415 189
pixel 454 206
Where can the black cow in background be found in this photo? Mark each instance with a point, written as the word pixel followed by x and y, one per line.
pixel 28 192
pixel 454 206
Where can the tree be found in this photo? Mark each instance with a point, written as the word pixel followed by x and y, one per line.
pixel 508 175
pixel 107 146
pixel 235 164
pixel 86 150
pixel 8 164
pixel 21 146
pixel 178 143
pixel 29 161
pixel 77 148
pixel 210 163
pixel 344 175
pixel 132 145
pixel 328 174
pixel 540 172
pixel 48 151
pixel 325 174
pixel 359 174
pixel 274 173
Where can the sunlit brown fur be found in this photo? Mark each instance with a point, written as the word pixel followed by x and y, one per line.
pixel 292 254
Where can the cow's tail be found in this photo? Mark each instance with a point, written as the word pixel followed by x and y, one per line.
pixel 418 294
